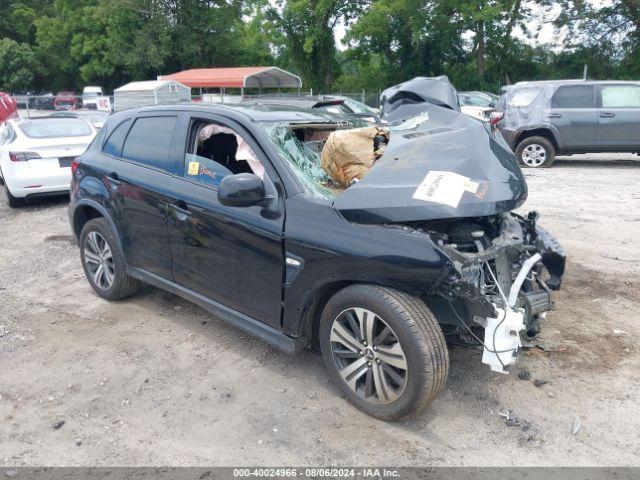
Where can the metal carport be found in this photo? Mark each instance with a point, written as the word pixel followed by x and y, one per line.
pixel 236 77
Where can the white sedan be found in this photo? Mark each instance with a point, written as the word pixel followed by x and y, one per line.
pixel 480 113
pixel 36 155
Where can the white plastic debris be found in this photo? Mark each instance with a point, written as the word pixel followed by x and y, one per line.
pixel 502 339
pixel 576 425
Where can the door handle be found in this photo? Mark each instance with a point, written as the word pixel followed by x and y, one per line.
pixel 114 178
pixel 555 115
pixel 607 114
pixel 181 210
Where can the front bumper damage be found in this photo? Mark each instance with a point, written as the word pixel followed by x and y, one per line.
pixel 503 285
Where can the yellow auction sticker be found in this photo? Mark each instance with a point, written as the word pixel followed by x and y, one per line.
pixel 194 168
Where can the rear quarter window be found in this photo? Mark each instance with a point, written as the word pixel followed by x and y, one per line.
pixel 113 145
pixel 522 97
pixel 149 140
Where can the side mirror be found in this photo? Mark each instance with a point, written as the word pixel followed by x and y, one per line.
pixel 241 190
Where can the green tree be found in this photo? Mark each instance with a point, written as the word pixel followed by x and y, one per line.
pixel 17 17
pixel 18 66
pixel 308 27
pixel 603 30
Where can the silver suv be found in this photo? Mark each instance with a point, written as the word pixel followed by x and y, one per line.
pixel 545 119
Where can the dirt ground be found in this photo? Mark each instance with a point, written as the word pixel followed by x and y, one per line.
pixel 154 380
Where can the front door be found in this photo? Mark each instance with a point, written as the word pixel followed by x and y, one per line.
pixel 232 255
pixel 619 117
pixel 573 115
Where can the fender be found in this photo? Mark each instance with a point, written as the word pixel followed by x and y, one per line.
pixel 546 127
pixel 86 202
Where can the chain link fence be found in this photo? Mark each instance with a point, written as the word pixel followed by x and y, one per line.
pixel 38 105
pixel 43 104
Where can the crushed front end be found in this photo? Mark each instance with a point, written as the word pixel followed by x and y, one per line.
pixel 499 280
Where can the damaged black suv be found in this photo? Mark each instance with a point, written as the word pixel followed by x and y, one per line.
pixel 229 208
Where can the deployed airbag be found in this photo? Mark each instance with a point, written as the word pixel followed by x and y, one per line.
pixel 349 154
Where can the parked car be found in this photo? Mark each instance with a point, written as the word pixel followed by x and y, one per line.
pixel 477 104
pixel 22 99
pixel 480 113
pixel 8 107
pixel 227 207
pixel 96 117
pixel 90 96
pixel 36 155
pixel 333 105
pixel 43 101
pixel 66 101
pixel 359 109
pixel 545 119
pixel 478 99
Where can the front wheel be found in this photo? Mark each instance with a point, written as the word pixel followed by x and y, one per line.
pixel 536 152
pixel 384 349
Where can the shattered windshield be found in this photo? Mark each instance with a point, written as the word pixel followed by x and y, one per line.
pixel 304 160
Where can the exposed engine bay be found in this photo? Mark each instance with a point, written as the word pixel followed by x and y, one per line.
pixel 502 271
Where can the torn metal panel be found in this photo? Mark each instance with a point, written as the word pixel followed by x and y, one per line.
pixel 479 168
pixel 419 90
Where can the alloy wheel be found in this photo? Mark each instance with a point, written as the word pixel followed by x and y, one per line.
pixel 368 356
pixel 99 260
pixel 534 155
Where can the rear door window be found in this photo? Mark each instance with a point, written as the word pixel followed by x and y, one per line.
pixel 113 145
pixel 149 141
pixel 620 96
pixel 574 96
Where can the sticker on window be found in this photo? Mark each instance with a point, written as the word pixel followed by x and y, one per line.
pixel 445 188
pixel 194 168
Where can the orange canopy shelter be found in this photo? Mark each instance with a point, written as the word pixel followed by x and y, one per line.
pixel 236 77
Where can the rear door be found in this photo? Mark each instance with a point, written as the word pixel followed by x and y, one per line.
pixel 619 117
pixel 232 255
pixel 138 176
pixel 573 115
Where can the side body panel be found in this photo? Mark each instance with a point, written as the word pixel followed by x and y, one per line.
pixel 618 127
pixel 575 126
pixel 333 251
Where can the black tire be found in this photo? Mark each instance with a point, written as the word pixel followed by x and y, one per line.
pixel 417 332
pixel 530 150
pixel 14 202
pixel 123 285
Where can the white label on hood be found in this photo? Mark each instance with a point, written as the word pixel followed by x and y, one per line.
pixel 445 188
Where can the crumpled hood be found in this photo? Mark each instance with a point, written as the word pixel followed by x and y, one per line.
pixel 439 164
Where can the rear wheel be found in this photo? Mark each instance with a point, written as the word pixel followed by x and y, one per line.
pixel 103 261
pixel 384 349
pixel 536 152
pixel 14 202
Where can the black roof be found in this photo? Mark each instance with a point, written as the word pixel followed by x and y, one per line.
pixel 255 112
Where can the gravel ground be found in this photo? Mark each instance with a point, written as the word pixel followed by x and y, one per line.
pixel 154 380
